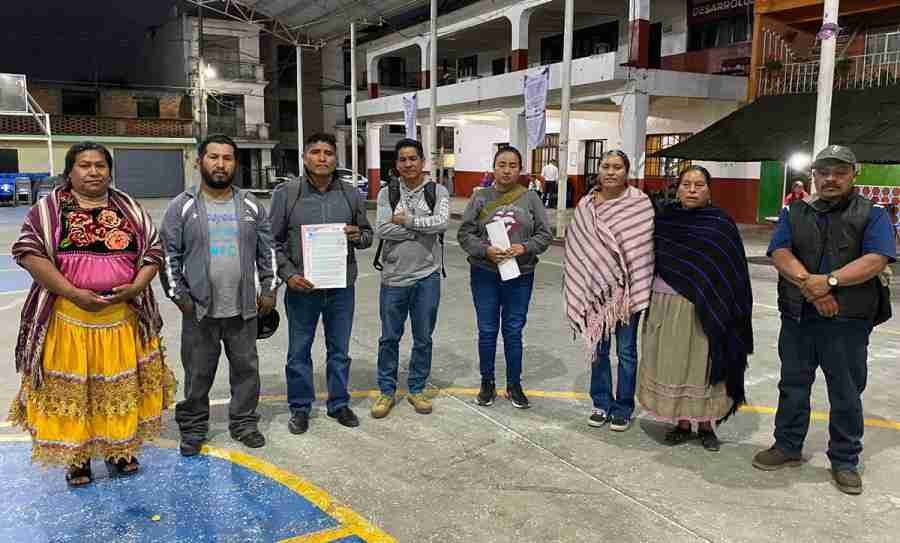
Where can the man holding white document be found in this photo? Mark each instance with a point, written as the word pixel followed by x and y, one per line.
pixel 504 230
pixel 318 222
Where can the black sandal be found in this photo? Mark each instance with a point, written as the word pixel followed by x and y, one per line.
pixel 678 435
pixel 77 476
pixel 709 440
pixel 122 467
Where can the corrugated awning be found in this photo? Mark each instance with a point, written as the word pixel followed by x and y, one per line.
pixel 774 127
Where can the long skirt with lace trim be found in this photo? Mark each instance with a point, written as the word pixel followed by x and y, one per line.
pixel 674 370
pixel 103 391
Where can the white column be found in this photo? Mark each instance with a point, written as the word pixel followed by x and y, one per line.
pixel 564 119
pixel 373 146
pixel 518 135
pixel 635 108
pixel 299 109
pixel 340 135
pixel 354 148
pixel 432 49
pixel 428 143
pixel 826 80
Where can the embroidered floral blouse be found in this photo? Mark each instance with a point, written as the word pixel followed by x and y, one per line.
pixel 97 248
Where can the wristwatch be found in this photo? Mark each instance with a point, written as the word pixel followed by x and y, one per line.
pixel 832 281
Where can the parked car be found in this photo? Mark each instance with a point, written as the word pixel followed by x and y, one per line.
pixel 362 184
pixel 7 191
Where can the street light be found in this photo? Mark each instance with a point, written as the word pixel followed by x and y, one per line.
pixel 210 72
pixel 800 162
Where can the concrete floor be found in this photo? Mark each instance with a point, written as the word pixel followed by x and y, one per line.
pixel 467 473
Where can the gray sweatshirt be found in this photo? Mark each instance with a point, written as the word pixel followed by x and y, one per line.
pixel 411 252
pixel 341 203
pixel 526 223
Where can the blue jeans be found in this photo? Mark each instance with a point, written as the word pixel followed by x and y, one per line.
pixel 499 301
pixel 601 372
pixel 303 310
pixel 839 347
pixel 420 302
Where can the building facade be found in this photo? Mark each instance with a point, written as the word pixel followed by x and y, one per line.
pixel 148 131
pixel 645 74
pixel 228 97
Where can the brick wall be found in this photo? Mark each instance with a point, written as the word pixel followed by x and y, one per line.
pixel 118 104
pixel 170 106
pixel 100 126
pixel 50 100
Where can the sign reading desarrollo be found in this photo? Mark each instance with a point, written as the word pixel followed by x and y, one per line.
pixel 708 10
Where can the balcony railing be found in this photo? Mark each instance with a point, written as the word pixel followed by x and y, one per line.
pixel 858 72
pixel 86 125
pixel 236 128
pixel 236 71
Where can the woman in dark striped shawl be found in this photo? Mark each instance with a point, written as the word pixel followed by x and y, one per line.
pixel 697 333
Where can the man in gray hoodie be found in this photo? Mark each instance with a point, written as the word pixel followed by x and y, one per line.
pixel 220 271
pixel 319 197
pixel 411 230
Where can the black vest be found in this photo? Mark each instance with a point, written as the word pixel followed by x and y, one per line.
pixel 839 238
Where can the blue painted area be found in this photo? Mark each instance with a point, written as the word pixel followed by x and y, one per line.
pixel 197 499
pixel 350 539
pixel 12 277
pixel 14 215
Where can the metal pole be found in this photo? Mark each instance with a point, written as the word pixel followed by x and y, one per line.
pixel 201 68
pixel 564 120
pixel 49 141
pixel 433 95
pixel 826 80
pixel 299 110
pixel 354 149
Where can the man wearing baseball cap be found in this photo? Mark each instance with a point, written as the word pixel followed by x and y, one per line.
pixel 829 249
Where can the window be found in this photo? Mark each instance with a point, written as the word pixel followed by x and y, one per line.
pixel 9 161
pixel 446 138
pixel 286 69
pixel 884 46
pixel 501 65
pixel 721 33
pixel 593 156
pixel 397 129
pixel 467 66
pixel 287 116
pixel 347 71
pixel 147 107
pixel 79 103
pixel 664 167
pixel 392 72
pixel 589 41
pixel 541 156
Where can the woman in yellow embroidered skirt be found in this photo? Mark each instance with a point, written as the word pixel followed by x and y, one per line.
pixel 94 378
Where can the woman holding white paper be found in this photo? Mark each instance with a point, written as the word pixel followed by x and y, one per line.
pixel 528 232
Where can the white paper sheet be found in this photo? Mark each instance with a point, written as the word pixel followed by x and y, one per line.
pixel 325 255
pixel 509 269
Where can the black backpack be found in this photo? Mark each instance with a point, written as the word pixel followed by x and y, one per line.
pixel 394 198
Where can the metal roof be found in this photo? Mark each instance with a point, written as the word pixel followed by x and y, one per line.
pixel 312 22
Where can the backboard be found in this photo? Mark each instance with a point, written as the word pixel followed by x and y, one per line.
pixel 13 94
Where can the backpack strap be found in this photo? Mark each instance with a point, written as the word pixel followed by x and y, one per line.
pixel 394 199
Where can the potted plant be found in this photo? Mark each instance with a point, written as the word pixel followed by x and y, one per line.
pixel 774 65
pixel 843 66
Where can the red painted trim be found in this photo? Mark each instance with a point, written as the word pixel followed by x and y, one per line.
pixel 425 79
pixel 519 60
pixel 639 50
pixel 373 90
pixel 374 176
pixel 738 197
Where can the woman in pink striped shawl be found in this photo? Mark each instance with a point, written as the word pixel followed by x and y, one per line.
pixel 608 273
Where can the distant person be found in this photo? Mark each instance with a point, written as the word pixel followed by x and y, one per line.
pixel 94 377
pixel 550 178
pixel 829 251
pixel 502 306
pixel 798 192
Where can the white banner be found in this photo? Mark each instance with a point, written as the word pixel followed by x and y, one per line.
pixel 536 87
pixel 410 110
